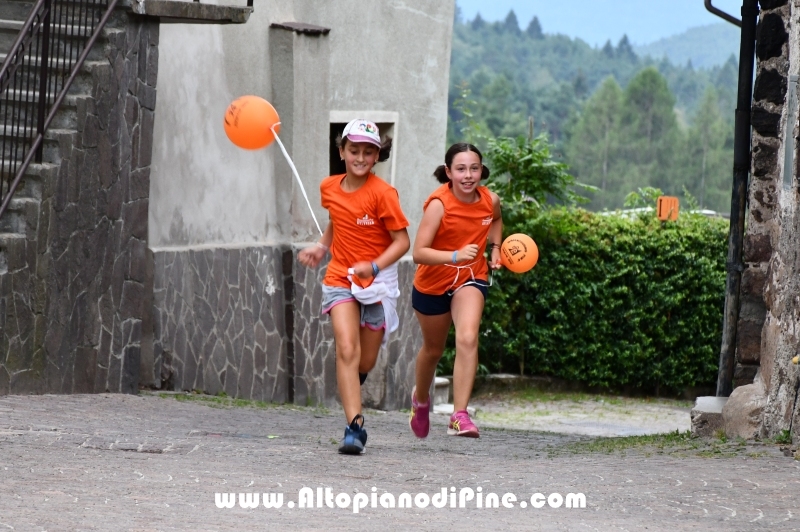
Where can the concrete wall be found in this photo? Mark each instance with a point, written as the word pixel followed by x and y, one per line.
pixel 394 56
pixel 387 56
pixel 386 61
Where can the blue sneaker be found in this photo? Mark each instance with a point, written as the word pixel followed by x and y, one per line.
pixel 355 437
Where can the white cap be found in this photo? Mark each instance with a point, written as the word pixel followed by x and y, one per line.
pixel 360 130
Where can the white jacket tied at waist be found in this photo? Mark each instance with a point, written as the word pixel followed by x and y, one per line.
pixel 384 289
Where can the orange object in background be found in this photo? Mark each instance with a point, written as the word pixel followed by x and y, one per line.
pixel 249 121
pixel 519 253
pixel 667 208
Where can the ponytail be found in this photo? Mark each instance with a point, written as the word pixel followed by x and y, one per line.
pixel 386 149
pixel 441 174
pixel 459 147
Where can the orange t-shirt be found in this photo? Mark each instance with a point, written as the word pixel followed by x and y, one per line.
pixel 462 224
pixel 361 224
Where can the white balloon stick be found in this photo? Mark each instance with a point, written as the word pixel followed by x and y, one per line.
pixel 294 171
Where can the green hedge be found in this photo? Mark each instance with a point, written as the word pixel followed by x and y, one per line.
pixel 613 302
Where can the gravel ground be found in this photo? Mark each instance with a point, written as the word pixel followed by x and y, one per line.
pixel 147 463
pixel 591 415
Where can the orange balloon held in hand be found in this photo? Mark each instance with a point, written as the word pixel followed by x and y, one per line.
pixel 249 121
pixel 519 253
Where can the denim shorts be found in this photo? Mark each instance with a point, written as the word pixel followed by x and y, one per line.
pixel 436 305
pixel 372 316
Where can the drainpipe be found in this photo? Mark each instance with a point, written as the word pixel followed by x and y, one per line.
pixel 741 170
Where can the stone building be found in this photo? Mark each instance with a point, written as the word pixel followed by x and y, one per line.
pixel 155 253
pixel 764 403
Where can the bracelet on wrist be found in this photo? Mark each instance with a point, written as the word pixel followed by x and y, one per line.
pixel 375 269
pixel 495 246
pixel 321 245
pixel 455 256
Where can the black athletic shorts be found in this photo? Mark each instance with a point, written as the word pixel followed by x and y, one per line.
pixel 437 305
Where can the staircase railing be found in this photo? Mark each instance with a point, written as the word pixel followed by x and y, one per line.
pixel 36 75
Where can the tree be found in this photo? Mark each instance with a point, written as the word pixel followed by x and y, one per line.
pixel 511 23
pixel 593 148
pixel 549 77
pixel 650 131
pixel 580 84
pixel 534 30
pixel 707 171
pixel 608 49
pixel 500 108
pixel 625 50
pixel 526 177
pixel 726 83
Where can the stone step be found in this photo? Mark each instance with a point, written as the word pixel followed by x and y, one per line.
pixel 9 30
pixel 449 409
pixel 441 391
pixel 36 61
pixel 12 245
pixel 29 86
pixel 52 139
pixel 30 186
pixel 65 118
pixel 18 10
pixel 15 10
pixel 707 416
pixel 20 216
pixel 66 30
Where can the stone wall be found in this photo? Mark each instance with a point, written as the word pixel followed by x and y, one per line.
pixel 22 295
pixel 246 321
pixel 768 334
pixel 88 268
pixel 218 316
pixel 762 222
pixel 388 386
pixel 775 197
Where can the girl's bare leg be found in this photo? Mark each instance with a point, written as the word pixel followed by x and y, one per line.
pixel 466 308
pixel 370 345
pixel 346 318
pixel 434 336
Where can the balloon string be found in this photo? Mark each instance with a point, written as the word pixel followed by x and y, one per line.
pixel 294 171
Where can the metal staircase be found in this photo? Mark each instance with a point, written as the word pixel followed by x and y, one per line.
pixel 47 57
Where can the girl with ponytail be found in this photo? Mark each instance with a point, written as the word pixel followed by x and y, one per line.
pixel 460 219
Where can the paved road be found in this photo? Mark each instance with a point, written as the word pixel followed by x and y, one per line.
pixel 142 463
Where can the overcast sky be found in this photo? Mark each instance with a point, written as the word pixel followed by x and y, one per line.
pixel 595 21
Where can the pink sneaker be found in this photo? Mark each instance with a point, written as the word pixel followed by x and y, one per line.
pixel 419 421
pixel 462 425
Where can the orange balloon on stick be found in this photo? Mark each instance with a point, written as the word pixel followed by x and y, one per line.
pixel 519 253
pixel 249 122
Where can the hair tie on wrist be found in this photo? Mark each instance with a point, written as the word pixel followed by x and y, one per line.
pixel 455 256
pixel 321 245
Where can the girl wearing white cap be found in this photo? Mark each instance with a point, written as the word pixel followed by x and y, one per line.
pixel 366 236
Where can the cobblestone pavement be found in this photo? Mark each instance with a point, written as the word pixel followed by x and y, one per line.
pixel 142 463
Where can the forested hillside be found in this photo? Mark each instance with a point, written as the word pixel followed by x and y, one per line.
pixel 705 46
pixel 619 121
